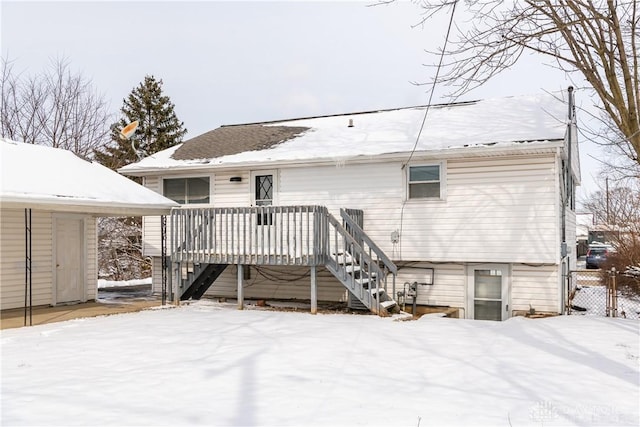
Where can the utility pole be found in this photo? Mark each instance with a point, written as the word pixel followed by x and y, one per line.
pixel 606 181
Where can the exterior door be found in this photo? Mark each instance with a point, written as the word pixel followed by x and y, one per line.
pixel 489 292
pixel 69 258
pixel 263 189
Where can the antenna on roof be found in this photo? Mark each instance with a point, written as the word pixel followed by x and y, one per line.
pixel 127 132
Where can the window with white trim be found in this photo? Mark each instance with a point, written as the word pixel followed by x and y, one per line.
pixel 425 181
pixel 187 191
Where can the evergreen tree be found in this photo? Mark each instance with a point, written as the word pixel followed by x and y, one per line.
pixel 120 239
pixel 158 126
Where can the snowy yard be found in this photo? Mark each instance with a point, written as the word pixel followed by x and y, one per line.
pixel 209 364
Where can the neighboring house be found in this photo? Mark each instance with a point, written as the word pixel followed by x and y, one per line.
pixel 584 223
pixel 474 211
pixel 49 202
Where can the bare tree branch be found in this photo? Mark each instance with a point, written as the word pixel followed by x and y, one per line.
pixel 56 108
pixel 595 39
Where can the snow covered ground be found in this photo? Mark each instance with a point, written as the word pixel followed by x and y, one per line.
pixel 210 364
pixel 109 284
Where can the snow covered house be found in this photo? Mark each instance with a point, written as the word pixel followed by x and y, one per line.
pixel 49 202
pixel 474 211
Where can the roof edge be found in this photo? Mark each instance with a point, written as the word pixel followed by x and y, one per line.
pixel 106 208
pixel 548 146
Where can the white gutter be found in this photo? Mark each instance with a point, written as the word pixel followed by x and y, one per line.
pixel 70 204
pixel 546 147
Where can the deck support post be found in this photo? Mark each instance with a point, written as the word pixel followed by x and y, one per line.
pixel 178 281
pixel 240 290
pixel 314 291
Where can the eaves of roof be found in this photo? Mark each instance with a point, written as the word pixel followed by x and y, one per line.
pixel 77 205
pixel 550 146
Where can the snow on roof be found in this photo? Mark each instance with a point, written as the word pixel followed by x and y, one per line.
pixel 509 122
pixel 38 175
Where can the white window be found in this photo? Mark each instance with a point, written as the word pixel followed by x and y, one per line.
pixel 264 188
pixel 425 181
pixel 187 191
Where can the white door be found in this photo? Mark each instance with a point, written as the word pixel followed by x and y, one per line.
pixel 488 292
pixel 263 189
pixel 69 260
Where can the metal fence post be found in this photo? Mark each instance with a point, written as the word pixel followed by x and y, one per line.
pixel 614 293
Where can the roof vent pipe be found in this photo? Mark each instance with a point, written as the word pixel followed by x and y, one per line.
pixel 350 123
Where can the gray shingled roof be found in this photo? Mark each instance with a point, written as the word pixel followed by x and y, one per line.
pixel 228 140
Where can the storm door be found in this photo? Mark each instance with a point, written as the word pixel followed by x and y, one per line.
pixel 489 292
pixel 263 188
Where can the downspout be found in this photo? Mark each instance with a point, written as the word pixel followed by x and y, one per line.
pixel 568 196
pixel 570 143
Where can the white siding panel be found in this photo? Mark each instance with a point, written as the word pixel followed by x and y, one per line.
pixel 571 239
pixel 538 286
pixel 156 275
pixel 374 188
pixel 12 258
pixel 499 210
pixel 232 194
pixel 448 288
pixel 151 224
pixel 495 210
pixel 91 259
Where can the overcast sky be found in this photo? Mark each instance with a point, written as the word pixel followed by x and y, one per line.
pixel 239 62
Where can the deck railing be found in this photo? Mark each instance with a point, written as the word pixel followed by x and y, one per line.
pixel 272 235
pixel 353 224
pixel 284 235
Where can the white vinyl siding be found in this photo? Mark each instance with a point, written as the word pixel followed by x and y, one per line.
pixel 91 257
pixel 156 276
pixel 151 224
pixel 374 188
pixel 499 210
pixel 571 238
pixel 496 210
pixel 448 288
pixel 12 258
pixel 536 286
pixel 232 193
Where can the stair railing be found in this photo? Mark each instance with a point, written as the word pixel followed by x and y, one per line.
pixel 371 249
pixel 348 261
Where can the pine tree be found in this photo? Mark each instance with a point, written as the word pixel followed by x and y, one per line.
pixel 120 239
pixel 158 126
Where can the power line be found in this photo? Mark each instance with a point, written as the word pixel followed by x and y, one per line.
pixel 435 80
pixel 426 112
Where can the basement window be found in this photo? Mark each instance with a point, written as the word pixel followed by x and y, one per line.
pixel 187 191
pixel 425 181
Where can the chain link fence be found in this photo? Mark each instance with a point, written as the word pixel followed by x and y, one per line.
pixel 596 293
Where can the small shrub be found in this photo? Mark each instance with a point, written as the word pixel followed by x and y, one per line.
pixel 627 266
